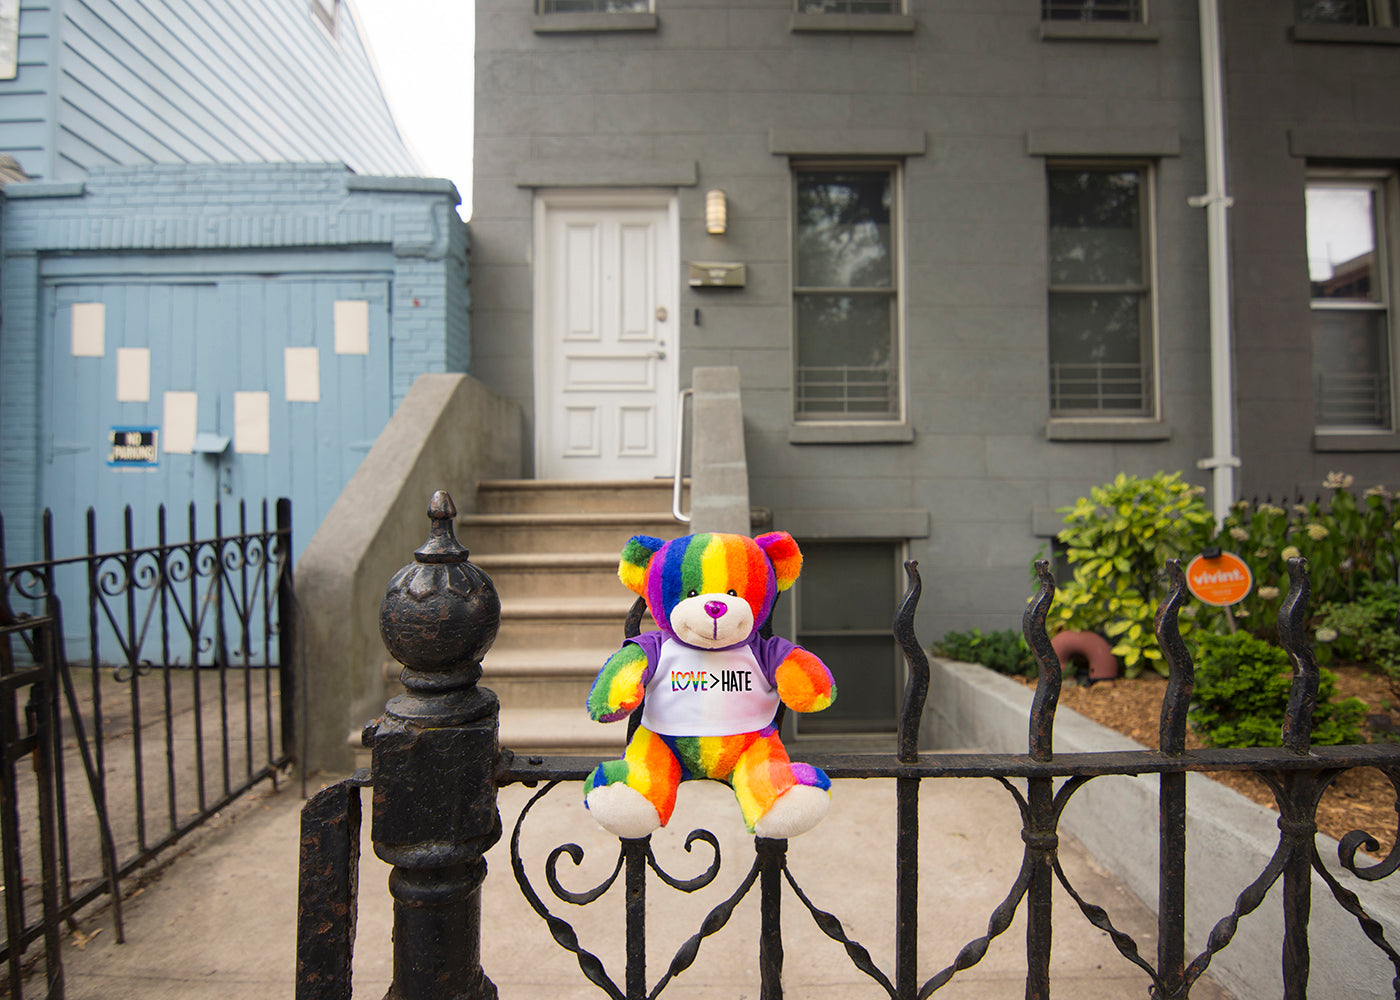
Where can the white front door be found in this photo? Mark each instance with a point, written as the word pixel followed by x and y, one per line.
pixel 606 351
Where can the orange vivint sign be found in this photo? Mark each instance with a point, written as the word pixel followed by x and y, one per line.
pixel 1219 580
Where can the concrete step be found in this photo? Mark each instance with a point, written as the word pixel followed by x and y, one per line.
pixel 565 622
pixel 498 534
pixel 544 678
pixel 552 550
pixel 541 574
pixel 550 496
pixel 560 730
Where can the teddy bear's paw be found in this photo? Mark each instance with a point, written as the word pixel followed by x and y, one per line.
pixel 795 812
pixel 622 811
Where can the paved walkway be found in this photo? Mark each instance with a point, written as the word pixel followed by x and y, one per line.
pixel 218 922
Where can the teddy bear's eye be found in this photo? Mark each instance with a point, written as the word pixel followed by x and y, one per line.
pixel 733 593
pixel 692 593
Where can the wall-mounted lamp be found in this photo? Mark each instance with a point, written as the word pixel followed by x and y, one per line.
pixel 715 212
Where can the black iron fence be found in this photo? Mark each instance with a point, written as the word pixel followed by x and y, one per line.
pixel 182 700
pixel 437 765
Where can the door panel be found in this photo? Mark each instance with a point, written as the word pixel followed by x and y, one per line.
pixel 606 375
pixel 217 339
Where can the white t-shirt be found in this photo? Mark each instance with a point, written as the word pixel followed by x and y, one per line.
pixel 708 692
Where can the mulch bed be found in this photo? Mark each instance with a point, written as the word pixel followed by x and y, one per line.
pixel 1360 799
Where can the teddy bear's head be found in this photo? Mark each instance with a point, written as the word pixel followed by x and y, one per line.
pixel 710 590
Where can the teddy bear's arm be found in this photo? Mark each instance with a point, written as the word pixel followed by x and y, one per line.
pixel 804 682
pixel 619 686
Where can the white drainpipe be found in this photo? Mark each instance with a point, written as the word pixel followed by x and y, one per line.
pixel 1223 460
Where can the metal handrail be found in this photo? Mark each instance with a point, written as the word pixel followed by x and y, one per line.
pixel 680 440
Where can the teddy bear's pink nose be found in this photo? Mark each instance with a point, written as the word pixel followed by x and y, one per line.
pixel 716 609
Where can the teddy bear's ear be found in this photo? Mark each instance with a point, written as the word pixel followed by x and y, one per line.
pixel 636 557
pixel 785 555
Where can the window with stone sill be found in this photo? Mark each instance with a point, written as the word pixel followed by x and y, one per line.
pixel 1132 11
pixel 849 6
pixel 1102 344
pixel 846 293
pixel 1349 289
pixel 595 6
pixel 1361 13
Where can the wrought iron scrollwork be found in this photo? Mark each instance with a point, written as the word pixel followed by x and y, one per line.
pixel 1298 774
pixel 564 933
pixel 1361 840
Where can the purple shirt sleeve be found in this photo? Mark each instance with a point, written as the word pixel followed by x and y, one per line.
pixel 770 654
pixel 651 645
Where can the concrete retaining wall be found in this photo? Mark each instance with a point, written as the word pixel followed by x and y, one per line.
pixel 449 433
pixel 1229 840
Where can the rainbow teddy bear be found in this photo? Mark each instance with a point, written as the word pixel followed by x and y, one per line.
pixel 712 686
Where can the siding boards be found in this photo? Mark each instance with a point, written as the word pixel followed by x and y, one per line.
pixel 195 81
pixel 26 101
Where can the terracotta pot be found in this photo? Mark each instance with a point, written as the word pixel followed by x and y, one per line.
pixel 1092 648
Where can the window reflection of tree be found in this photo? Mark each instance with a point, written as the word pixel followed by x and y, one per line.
pixel 849 6
pixel 843 230
pixel 844 299
pixel 1098 290
pixel 1095 227
pixel 1090 10
pixel 1335 11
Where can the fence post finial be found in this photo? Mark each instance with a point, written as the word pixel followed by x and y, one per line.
pixel 434 758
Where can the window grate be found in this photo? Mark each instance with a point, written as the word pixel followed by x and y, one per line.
pixel 1097 388
pixel 1375 13
pixel 1353 400
pixel 1093 10
pixel 595 6
pixel 850 6
pixel 846 391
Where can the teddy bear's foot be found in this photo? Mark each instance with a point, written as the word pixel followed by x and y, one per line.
pixel 622 811
pixel 796 811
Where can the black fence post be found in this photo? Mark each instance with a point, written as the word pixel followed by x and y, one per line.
pixel 434 759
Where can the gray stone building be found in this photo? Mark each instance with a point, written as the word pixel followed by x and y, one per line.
pixel 963 265
pixel 1313 150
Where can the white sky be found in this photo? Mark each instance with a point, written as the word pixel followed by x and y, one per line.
pixel 1340 227
pixel 424 52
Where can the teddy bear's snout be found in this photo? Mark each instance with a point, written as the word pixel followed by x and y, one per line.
pixel 716 609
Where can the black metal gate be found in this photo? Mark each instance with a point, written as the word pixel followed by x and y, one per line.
pixel 437 764
pixel 185 700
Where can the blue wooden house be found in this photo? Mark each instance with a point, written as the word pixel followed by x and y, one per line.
pixel 221 269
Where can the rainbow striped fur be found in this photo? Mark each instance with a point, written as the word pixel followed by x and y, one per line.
pixel 709 687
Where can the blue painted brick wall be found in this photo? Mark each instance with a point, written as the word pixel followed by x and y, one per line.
pixel 198 210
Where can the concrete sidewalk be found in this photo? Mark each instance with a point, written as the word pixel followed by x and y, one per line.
pixel 219 921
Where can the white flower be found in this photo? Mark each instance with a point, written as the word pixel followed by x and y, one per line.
pixel 1301 508
pixel 1291 552
pixel 1378 491
pixel 1317 532
pixel 1325 634
pixel 1338 481
pixel 1239 534
pixel 1268 593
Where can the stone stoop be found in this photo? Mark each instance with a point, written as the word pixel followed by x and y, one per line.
pixel 552 549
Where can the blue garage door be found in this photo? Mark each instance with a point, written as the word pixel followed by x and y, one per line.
pixel 236 387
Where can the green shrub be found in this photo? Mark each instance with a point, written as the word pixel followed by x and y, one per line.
pixel 1004 651
pixel 1348 540
pixel 1363 631
pixel 1241 695
pixel 1118 541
